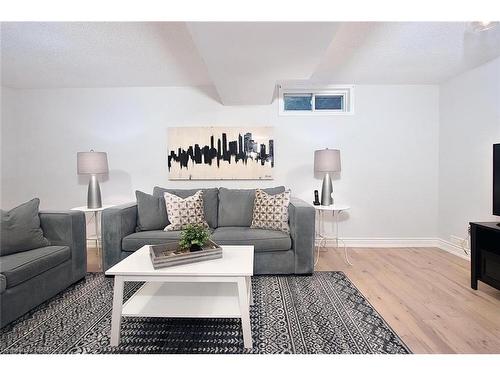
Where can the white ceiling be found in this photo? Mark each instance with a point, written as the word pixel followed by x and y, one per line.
pixel 406 52
pixel 242 60
pixel 99 54
pixel 245 60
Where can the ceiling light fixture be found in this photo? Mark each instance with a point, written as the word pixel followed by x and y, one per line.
pixel 481 26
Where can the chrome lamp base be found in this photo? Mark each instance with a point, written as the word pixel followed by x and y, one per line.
pixel 326 191
pixel 94 193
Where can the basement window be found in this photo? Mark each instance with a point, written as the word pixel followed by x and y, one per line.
pixel 329 102
pixel 297 102
pixel 326 101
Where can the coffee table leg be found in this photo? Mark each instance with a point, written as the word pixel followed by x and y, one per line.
pixel 249 290
pixel 245 312
pixel 116 317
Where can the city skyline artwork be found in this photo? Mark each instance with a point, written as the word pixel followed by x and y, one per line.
pixel 198 153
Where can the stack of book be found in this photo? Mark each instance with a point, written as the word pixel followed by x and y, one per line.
pixel 170 254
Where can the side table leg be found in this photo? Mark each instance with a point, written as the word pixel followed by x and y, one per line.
pixel 348 262
pixel 98 245
pixel 319 239
pixel 245 312
pixel 116 317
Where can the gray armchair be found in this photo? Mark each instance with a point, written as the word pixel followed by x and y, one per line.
pixel 275 252
pixel 28 278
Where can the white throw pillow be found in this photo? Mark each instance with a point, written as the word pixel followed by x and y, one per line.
pixel 184 211
pixel 271 211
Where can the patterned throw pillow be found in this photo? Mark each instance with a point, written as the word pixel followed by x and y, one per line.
pixel 271 211
pixel 182 212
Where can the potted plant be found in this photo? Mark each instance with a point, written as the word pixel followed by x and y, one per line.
pixel 194 237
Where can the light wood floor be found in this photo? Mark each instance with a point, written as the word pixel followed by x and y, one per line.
pixel 92 260
pixel 424 294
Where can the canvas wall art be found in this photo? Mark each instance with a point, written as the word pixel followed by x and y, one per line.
pixel 220 153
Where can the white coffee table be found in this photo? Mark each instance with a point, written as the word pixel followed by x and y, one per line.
pixel 219 288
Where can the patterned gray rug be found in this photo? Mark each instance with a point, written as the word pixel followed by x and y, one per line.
pixel 323 313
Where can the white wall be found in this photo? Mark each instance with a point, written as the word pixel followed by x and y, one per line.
pixel 469 125
pixel 389 148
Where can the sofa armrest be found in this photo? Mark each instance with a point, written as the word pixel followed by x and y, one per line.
pixel 302 230
pixel 116 223
pixel 68 228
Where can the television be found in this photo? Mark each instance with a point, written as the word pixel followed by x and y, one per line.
pixel 496 179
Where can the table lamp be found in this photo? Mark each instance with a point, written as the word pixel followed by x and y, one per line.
pixel 327 161
pixel 92 163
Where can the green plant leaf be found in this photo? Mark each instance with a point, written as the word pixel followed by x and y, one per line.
pixel 194 235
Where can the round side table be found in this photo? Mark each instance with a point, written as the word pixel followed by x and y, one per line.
pixel 322 237
pixel 97 238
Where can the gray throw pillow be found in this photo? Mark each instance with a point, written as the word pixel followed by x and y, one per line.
pixel 20 229
pixel 151 212
pixel 236 205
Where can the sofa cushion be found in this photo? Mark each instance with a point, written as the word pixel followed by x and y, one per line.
pixel 210 200
pixel 20 229
pixel 20 267
pixel 151 212
pixel 236 205
pixel 135 241
pixel 261 239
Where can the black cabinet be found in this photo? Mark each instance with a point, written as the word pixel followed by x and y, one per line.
pixel 485 254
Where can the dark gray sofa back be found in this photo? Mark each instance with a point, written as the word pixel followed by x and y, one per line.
pixel 210 201
pixel 236 205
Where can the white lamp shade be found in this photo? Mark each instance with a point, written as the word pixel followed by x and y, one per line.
pixel 327 160
pixel 92 162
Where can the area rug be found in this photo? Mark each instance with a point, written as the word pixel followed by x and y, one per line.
pixel 322 313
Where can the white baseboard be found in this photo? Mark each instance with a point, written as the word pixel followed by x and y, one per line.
pixel 452 248
pixel 390 242
pixel 385 242
pixel 402 242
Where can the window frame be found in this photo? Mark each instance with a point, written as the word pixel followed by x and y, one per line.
pixel 347 91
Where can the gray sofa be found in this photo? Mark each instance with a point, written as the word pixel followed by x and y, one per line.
pixel 229 215
pixel 28 278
